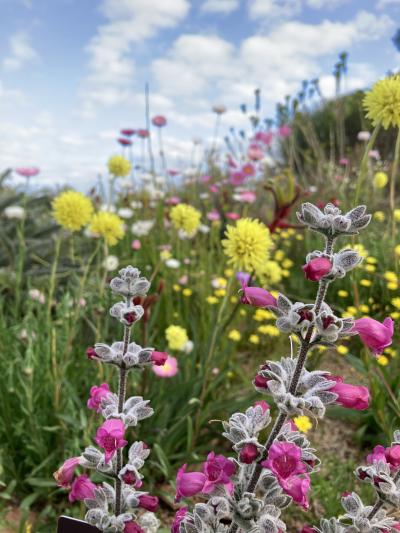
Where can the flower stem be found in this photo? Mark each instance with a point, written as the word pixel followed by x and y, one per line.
pixel 392 193
pixel 121 400
pixel 380 502
pixel 364 162
pixel 301 359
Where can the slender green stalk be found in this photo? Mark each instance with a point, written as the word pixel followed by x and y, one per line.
pixel 364 162
pixel 392 193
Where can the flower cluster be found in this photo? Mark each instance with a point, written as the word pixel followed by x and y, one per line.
pixel 249 491
pixel 123 507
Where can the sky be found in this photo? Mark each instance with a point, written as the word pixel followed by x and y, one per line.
pixel 73 72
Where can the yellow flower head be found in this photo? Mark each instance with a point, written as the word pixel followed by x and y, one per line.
pixel 234 335
pixel 380 180
pixel 176 337
pixel 303 423
pixel 383 102
pixel 107 225
pixel 118 166
pixel 247 244
pixel 72 210
pixel 185 217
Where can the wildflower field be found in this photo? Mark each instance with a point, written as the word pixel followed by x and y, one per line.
pixel 154 326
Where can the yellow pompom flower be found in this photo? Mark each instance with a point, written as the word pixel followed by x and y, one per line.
pixel 176 337
pixel 185 217
pixel 254 339
pixel 107 225
pixel 234 335
pixel 247 245
pixel 118 166
pixel 383 360
pixel 380 180
pixel 303 423
pixel 396 215
pixel 342 349
pixel 383 102
pixel 72 210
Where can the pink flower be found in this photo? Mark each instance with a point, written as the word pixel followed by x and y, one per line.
pixel 150 503
pixel 237 178
pixel 248 169
pixel 264 136
pixel 142 133
pixel 188 484
pixel 375 335
pixel 343 161
pixel 91 352
pixel 257 297
pixel 307 529
pixel 129 477
pixel 179 516
pixel 81 489
pixel 133 527
pixel 213 215
pixel 217 470
pixel 317 268
pixel 96 396
pixel 284 131
pixel 231 162
pixel 128 132
pixel 263 404
pixel 351 396
pixel 136 244
pixel 110 436
pixel 205 179
pixel 248 454
pixel 232 216
pixel 297 487
pixel 378 454
pixel 159 358
pixel 254 152
pixel 260 382
pixel 65 473
pixel 284 460
pixel 159 121
pixel 168 369
pixel 27 172
pixel 124 142
pixel 174 200
pixel 213 188
pixel 392 455
pixel 248 197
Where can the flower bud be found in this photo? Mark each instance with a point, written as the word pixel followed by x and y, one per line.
pixel 317 268
pixel 91 352
pixel 248 453
pixel 150 503
pixel 159 358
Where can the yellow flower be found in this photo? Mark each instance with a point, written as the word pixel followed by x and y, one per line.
pixel 287 263
pixel 370 268
pixel 176 287
pixel 247 244
pixel 390 276
pixel 366 282
pixel 396 215
pixel 234 335
pixel 364 308
pixel 343 350
pixel 395 315
pixel 165 254
pixel 254 339
pixel 392 286
pixel 300 237
pixel 176 337
pixel 220 293
pixel 72 210
pixel 360 248
pixel 263 314
pixel 397 250
pixel 380 180
pixel 185 217
pixel 342 293
pixel 107 225
pixel 379 216
pixel 383 102
pixel 396 302
pixel 303 423
pixel 371 260
pixel 187 292
pixel 268 329
pixel 271 273
pixel 118 166
pixel 212 300
pixel 382 360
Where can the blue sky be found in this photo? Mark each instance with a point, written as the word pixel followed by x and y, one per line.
pixel 72 72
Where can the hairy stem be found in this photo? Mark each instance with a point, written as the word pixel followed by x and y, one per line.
pixel 121 400
pixel 301 359
pixel 380 502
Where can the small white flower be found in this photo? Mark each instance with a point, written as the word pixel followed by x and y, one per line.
pixel 172 263
pixel 14 211
pixel 160 180
pixel 37 296
pixel 204 229
pixel 142 227
pixel 136 204
pixel 363 136
pixel 125 212
pixel 111 263
pixel 109 208
pixel 204 196
pixel 188 348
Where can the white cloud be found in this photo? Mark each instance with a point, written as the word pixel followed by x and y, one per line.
pixel 323 4
pixel 220 6
pixel 382 4
pixel 21 52
pixel 111 50
pixel 273 8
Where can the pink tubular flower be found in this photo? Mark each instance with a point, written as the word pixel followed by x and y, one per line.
pixel 159 121
pixel 248 454
pixel 264 406
pixel 392 455
pixel 257 296
pixel 91 352
pixel 124 142
pixel 284 460
pixel 188 483
pixel 317 268
pixel 81 489
pixel 260 382
pixel 284 131
pixel 168 369
pixel 65 473
pixel 133 527
pixel 110 436
pixel 218 470
pixel 378 454
pixel 159 358
pixel 150 503
pixel 232 216
pixel 307 529
pixel 179 516
pixel 351 396
pixel 297 487
pixel 96 396
pixel 375 335
pixel 27 172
